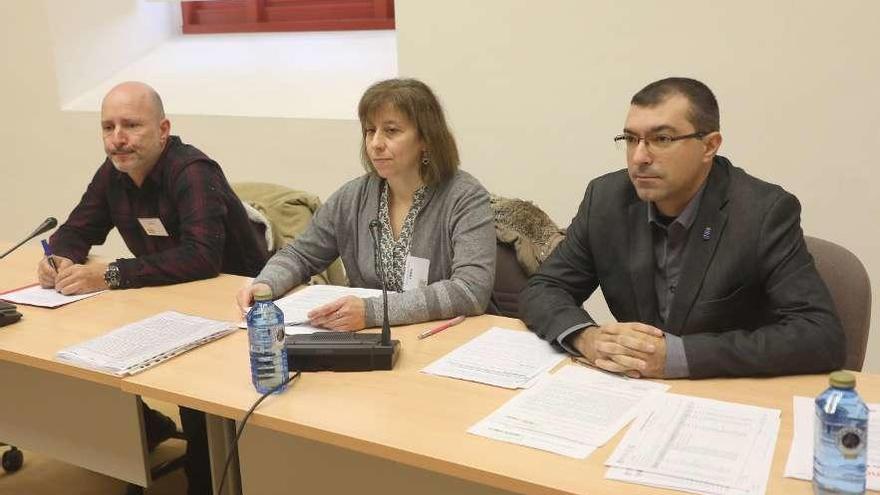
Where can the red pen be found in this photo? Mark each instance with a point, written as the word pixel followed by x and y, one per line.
pixel 443 326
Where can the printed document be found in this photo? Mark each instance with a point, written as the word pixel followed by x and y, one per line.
pixel 754 483
pixel 34 295
pixel 570 412
pixel 800 457
pixel 296 306
pixel 142 344
pixel 500 357
pixel 692 439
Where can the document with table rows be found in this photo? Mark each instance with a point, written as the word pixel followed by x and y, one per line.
pixel 698 445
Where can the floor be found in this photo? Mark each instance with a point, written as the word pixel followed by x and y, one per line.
pixel 41 475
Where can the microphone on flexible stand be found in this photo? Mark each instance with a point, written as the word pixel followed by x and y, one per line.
pixel 376 234
pixel 48 224
pixel 347 351
pixel 8 313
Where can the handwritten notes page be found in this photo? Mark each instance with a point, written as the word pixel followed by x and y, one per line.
pixel 34 295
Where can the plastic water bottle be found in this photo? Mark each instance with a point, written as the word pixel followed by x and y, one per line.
pixel 265 323
pixel 841 438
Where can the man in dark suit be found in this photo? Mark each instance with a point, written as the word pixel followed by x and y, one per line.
pixel 703 266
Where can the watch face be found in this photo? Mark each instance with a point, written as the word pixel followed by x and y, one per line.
pixel 111 276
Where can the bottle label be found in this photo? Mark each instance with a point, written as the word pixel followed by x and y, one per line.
pixel 850 441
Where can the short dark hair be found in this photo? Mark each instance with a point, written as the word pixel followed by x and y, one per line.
pixel 417 102
pixel 704 114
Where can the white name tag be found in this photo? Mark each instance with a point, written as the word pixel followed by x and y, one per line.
pixel 153 226
pixel 415 275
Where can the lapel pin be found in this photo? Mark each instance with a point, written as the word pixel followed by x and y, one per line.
pixel 707 233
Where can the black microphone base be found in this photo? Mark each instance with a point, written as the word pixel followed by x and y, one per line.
pixel 340 352
pixel 8 314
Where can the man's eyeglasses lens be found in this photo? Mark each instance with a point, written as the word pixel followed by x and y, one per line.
pixel 630 142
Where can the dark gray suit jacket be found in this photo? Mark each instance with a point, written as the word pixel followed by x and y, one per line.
pixel 748 302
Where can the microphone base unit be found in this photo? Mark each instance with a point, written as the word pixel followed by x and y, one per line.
pixel 340 352
pixel 8 314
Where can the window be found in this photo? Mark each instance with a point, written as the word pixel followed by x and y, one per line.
pixel 246 16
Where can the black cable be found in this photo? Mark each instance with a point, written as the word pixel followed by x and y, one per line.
pixel 234 450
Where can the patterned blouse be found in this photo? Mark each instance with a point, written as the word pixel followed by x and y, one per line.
pixel 394 252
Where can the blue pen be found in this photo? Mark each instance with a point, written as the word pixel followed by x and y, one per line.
pixel 48 252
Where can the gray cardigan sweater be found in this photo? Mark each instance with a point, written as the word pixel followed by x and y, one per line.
pixel 454 230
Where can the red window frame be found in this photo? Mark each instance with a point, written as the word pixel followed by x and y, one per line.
pixel 248 16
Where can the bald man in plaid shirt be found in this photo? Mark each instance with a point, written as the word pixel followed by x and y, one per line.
pixel 176 213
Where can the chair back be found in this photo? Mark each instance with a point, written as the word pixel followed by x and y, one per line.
pixel 847 281
pixel 510 280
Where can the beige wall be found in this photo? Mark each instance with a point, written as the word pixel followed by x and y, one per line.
pixel 49 155
pixel 535 95
pixel 86 52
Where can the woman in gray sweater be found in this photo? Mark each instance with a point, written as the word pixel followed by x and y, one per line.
pixel 437 232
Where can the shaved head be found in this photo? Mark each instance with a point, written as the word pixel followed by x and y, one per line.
pixel 134 91
pixel 134 127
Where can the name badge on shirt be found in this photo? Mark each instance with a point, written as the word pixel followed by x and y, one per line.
pixel 153 226
pixel 415 275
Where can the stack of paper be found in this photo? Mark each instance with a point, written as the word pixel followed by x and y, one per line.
pixel 699 446
pixel 140 345
pixel 570 412
pixel 296 306
pixel 500 357
pixel 34 295
pixel 800 457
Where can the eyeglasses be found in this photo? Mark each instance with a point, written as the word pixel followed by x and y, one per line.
pixel 653 142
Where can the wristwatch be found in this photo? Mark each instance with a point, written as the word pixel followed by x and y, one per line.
pixel 112 277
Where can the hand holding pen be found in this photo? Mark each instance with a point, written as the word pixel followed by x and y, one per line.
pixel 443 326
pixel 48 252
pixel 50 266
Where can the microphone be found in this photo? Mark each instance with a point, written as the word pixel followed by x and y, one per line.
pixel 376 234
pixel 8 314
pixel 48 224
pixel 348 351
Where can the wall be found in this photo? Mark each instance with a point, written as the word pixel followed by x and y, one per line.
pixel 92 39
pixel 50 155
pixel 536 91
